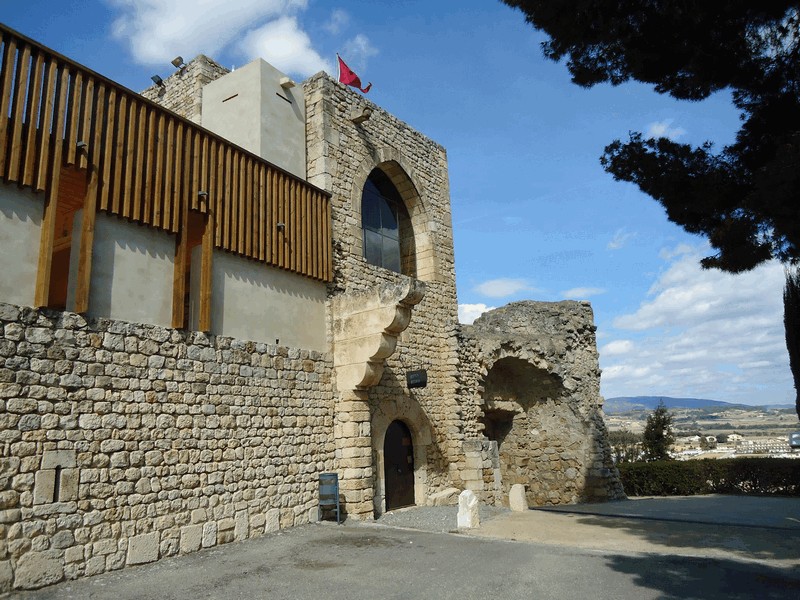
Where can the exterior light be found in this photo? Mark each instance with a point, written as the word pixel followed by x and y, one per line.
pixel 157 80
pixel 178 63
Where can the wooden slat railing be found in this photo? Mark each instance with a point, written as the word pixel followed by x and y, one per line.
pixel 150 164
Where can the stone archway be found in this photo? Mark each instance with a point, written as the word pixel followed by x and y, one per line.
pixel 398 466
pixel 542 443
pixel 412 417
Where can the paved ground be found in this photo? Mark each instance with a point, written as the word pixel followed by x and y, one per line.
pixel 620 550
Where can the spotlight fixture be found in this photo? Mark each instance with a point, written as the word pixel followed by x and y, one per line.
pixel 157 80
pixel 178 63
pixel 202 194
pixel 81 145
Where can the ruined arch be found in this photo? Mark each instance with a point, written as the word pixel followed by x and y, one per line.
pixel 541 438
pixel 407 411
pixel 420 261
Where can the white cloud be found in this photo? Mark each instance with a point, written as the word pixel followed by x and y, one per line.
pixel 619 240
pixel 467 313
pixel 582 293
pixel 284 45
pixel 617 347
pixel 356 51
pixel 158 30
pixel 339 19
pixel 503 287
pixel 664 129
pixel 703 333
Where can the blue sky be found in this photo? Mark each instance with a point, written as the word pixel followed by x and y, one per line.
pixel 534 214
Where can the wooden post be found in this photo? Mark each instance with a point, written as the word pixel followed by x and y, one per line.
pixel 206 272
pixel 45 264
pixel 96 152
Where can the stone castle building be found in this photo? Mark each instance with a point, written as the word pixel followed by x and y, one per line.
pixel 222 288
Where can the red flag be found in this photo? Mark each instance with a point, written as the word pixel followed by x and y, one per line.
pixel 347 77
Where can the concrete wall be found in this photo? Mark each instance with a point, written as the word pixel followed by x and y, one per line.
pixel 252 301
pixel 20 232
pixel 250 108
pixel 132 271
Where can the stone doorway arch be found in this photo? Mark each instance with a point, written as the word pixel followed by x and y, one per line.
pixel 411 415
pixel 398 466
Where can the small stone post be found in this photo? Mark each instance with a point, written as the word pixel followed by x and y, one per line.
pixel 468 514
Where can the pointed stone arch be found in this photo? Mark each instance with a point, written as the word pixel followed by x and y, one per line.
pixel 423 263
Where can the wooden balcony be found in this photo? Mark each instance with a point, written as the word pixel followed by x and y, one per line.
pixel 91 144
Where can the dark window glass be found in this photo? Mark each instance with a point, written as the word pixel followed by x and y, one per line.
pixel 373 247
pixel 380 208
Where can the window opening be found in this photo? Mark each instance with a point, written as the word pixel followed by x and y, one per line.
pixel 384 218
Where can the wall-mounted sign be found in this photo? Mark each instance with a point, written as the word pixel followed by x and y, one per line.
pixel 417 379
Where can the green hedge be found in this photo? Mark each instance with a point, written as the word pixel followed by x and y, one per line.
pixel 757 476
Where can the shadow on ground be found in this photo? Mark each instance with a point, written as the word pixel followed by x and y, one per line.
pixel 760 544
pixel 680 579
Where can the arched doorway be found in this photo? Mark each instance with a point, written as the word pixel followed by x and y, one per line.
pixel 398 466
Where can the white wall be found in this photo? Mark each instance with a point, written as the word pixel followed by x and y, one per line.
pixel 132 271
pixel 20 233
pixel 252 301
pixel 250 108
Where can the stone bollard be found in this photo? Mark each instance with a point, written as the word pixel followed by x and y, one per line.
pixel 468 515
pixel 517 500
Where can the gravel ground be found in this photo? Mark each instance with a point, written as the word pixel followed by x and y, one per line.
pixel 433 518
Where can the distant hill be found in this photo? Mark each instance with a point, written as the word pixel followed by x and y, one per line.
pixel 623 404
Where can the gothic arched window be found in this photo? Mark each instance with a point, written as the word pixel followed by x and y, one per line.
pixel 385 224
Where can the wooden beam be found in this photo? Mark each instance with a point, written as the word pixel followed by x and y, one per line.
pixel 34 100
pixel 90 202
pixel 45 263
pixel 9 56
pixel 106 181
pixel 206 272
pixel 21 89
pixel 179 273
pixel 46 126
pixel 73 118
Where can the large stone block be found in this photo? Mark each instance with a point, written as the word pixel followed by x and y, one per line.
pixel 37 569
pixel 209 535
pixel 143 548
pixel 191 538
pixel 273 520
pixel 241 527
pixel 447 497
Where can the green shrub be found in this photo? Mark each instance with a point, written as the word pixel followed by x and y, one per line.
pixel 757 476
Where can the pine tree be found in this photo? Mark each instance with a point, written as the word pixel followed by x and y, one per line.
pixel 791 322
pixel 658 436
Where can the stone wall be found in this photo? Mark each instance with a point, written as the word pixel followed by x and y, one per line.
pixel 342 151
pixel 182 92
pixel 530 373
pixel 123 443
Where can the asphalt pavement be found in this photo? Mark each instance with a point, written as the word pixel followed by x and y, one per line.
pixel 621 550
